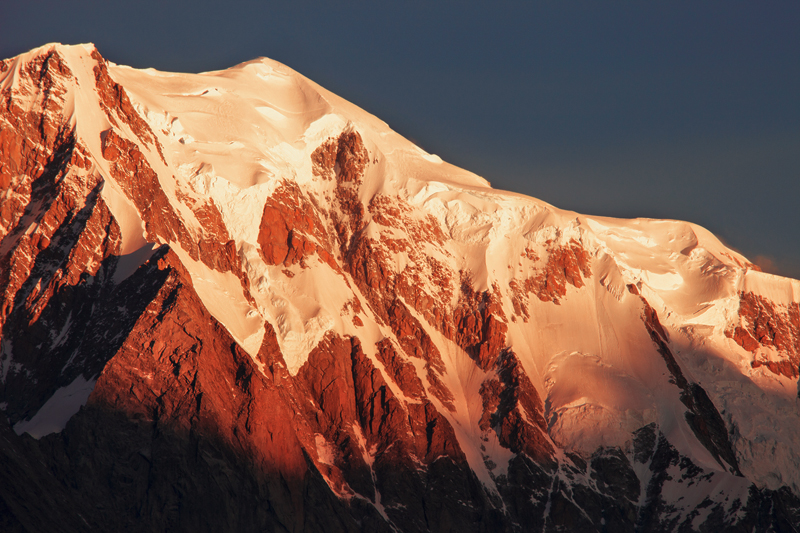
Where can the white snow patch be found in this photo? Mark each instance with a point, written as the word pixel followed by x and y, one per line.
pixel 271 114
pixel 325 451
pixel 433 158
pixel 301 309
pixel 126 215
pixel 129 262
pixel 222 295
pixel 54 414
pixel 241 209
pixel 297 344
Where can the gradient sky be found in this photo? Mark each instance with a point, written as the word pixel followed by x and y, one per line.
pixel 686 110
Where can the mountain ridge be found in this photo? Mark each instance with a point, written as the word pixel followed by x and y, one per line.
pixel 164 234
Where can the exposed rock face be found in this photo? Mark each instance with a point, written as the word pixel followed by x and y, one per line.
pixel 358 338
pixel 765 324
pixel 290 231
pixel 511 406
pixel 565 265
pixel 180 372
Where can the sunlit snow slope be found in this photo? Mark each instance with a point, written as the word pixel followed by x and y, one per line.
pixel 529 330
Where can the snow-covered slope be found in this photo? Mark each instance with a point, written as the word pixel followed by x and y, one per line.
pixel 522 336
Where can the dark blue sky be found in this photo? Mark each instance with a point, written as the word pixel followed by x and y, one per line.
pixel 687 110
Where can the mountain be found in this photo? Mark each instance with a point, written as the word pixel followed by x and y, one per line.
pixel 233 301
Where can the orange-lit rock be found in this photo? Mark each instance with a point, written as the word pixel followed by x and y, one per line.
pixel 763 323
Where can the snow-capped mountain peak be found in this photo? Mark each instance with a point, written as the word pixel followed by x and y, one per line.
pixel 238 252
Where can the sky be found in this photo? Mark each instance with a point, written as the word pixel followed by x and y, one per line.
pixel 682 109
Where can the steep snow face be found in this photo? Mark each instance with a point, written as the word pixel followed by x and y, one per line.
pixel 295 211
pixel 236 135
pixel 233 137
